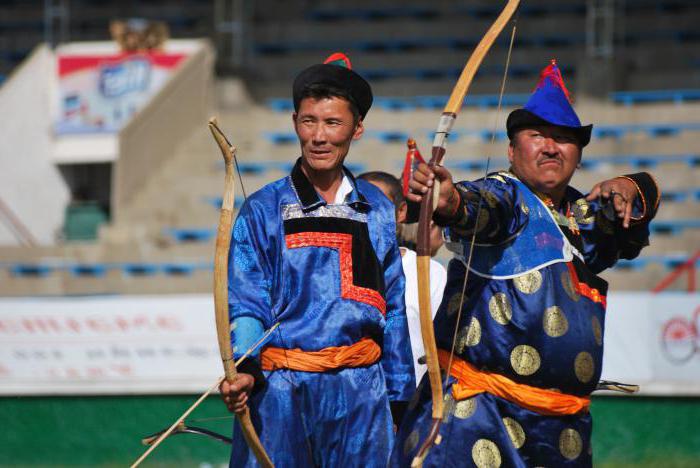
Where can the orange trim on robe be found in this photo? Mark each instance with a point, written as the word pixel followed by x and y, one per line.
pixel 471 381
pixel 583 289
pixel 343 243
pixel 361 354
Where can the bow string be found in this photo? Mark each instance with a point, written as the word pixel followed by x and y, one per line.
pixel 428 205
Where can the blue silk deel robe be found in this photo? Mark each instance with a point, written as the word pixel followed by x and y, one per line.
pixel 534 311
pixel 331 275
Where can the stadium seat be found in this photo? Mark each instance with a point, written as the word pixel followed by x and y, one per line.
pixel 190 234
pixel 280 138
pixel 673 227
pixel 31 270
pixel 678 96
pixel 139 269
pixel 178 269
pixel 83 270
pixel 82 220
pixel 396 103
pixel 217 201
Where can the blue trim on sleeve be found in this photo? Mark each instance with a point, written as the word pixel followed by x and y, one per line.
pixel 246 331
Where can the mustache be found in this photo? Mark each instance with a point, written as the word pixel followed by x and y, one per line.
pixel 547 158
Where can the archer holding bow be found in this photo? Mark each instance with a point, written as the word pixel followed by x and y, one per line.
pixel 529 325
pixel 317 252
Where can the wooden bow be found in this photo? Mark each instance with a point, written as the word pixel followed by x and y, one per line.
pixel 428 204
pixel 223 326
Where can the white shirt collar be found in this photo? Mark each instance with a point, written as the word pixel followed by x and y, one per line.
pixel 343 191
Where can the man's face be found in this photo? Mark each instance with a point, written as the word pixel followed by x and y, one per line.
pixel 325 128
pixel 545 157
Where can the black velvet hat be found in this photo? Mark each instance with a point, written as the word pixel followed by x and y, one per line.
pixel 335 71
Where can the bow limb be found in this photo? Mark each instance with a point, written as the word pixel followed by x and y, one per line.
pixel 183 428
pixel 223 326
pixel 428 204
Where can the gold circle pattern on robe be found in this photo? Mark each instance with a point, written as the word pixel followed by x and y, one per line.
pixel 570 443
pixel 449 407
pixel 597 330
pixel 568 285
pixel 490 198
pixel 500 309
pixel 469 336
pixel 515 432
pixel 483 220
pixel 485 454
pixel 584 367
pixel 525 360
pixel 582 212
pixel 525 209
pixel 529 282
pixel 411 442
pixel 554 322
pixel 453 305
pixel 465 408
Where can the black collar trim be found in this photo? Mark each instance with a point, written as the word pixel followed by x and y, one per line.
pixel 309 198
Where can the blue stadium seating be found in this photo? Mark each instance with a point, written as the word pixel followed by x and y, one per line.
pixel 670 227
pixel 640 161
pixel 678 96
pixel 139 269
pixel 599 132
pixel 83 270
pixel 413 43
pixel 190 234
pixel 31 270
pixel 679 196
pixel 486 101
pixel 673 227
pixel 178 269
pixel 216 201
pixel 262 167
pixel 136 270
pixel 327 14
pixel 388 136
pixel 669 262
pixel 483 101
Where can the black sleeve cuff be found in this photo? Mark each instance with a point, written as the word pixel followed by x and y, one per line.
pixel 458 218
pixel 252 366
pixel 649 193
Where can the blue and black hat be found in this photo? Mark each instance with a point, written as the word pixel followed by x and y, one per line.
pixel 335 71
pixel 549 104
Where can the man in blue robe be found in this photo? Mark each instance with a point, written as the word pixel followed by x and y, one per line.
pixel 529 343
pixel 316 251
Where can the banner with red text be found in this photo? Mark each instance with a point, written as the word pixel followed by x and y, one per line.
pixel 119 344
pixel 167 344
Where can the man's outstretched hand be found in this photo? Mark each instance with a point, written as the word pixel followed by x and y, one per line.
pixel 423 180
pixel 235 394
pixel 620 192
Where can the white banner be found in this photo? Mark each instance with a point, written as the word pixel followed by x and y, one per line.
pixel 167 344
pixel 652 340
pixel 119 344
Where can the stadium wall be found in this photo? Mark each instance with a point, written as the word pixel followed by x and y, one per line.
pixel 31 187
pixel 154 134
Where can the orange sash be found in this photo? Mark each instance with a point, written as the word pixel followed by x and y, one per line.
pixel 363 353
pixel 471 381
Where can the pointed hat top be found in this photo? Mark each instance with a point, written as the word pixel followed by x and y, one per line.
pixel 549 104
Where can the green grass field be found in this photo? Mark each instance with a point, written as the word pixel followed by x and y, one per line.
pixel 106 432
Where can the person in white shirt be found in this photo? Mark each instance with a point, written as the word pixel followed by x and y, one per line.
pixel 391 187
